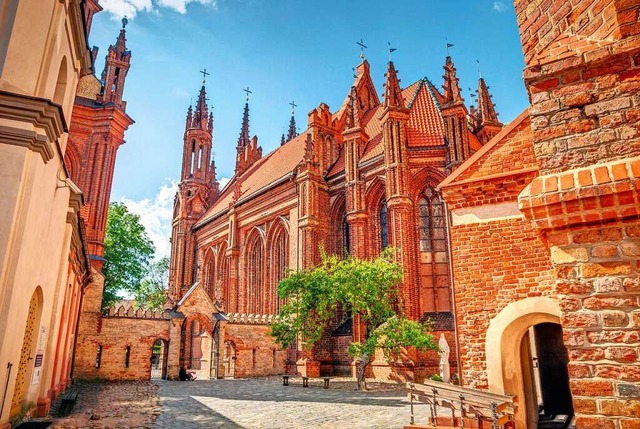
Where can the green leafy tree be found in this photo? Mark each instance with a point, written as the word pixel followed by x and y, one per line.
pixel 367 287
pixel 128 250
pixel 151 291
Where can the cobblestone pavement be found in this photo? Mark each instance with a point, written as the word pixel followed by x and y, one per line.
pixel 253 403
pixel 107 405
pixel 266 403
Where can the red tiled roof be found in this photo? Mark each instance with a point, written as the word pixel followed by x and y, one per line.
pixel 266 170
pixel 474 143
pixel 425 126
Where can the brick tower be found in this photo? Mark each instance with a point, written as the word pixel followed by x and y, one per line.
pixel 197 189
pixel 97 129
pixel 582 71
pixel 454 115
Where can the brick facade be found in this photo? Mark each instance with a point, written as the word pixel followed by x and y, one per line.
pixel 570 166
pixel 358 179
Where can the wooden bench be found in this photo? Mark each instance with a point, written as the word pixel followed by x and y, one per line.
pixel 305 381
pixel 465 404
pixel 68 400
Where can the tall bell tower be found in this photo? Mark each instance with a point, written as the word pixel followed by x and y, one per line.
pixel 198 188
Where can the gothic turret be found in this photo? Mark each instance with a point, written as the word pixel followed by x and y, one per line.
pixel 116 66
pixel 454 116
pixel 487 124
pixel 292 128
pixel 198 188
pixel 244 139
pixel 392 92
pixel 451 88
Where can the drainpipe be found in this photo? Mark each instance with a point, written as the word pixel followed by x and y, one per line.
pixel 453 296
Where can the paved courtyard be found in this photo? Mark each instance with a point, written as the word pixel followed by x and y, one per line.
pixel 255 403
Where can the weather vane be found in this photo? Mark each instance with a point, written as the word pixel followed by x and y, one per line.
pixel 204 75
pixel 248 91
pixel 362 48
pixel 293 107
pixel 125 21
pixel 391 50
pixel 449 45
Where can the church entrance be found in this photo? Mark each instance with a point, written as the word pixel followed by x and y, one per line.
pixel 25 366
pixel 545 376
pixel 159 360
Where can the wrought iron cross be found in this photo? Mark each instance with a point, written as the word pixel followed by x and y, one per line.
pixel 362 48
pixel 293 107
pixel 204 75
pixel 125 21
pixel 248 91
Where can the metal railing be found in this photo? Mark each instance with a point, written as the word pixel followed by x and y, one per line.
pixel 465 405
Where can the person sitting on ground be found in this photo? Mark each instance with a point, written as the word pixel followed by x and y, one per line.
pixel 185 375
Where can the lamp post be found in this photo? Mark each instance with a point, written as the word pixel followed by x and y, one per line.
pixel 215 336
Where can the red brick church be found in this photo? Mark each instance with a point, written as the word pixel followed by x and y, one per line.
pixel 358 179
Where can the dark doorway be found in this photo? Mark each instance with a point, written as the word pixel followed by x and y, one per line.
pixel 159 360
pixel 550 361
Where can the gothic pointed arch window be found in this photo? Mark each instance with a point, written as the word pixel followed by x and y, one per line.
pixel 279 263
pixel 384 225
pixel 434 267
pixel 432 222
pixel 255 268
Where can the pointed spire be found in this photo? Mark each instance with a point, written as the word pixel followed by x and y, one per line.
pixel 292 122
pixel 486 110
pixel 353 117
pixel 282 140
pixel 201 114
pixel 121 43
pixel 189 117
pixel 392 92
pixel 244 139
pixel 451 88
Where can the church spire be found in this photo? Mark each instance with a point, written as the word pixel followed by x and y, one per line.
pixel 244 139
pixel 116 66
pixel 292 122
pixel 201 114
pixel 451 93
pixel 392 92
pixel 486 109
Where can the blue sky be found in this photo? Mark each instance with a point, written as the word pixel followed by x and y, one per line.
pixel 283 50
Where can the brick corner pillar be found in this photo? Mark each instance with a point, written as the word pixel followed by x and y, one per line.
pixel 583 77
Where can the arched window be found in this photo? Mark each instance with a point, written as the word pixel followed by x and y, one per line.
pixel 255 264
pixel 432 226
pixel 384 230
pixel 279 262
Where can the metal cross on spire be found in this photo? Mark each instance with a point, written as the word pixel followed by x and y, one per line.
pixel 204 75
pixel 391 50
pixel 248 91
pixel 293 107
pixel 125 21
pixel 362 48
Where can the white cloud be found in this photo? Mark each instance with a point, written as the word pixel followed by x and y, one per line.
pixel 129 8
pixel 155 216
pixel 499 6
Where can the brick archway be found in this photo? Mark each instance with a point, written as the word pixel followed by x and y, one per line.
pixel 504 337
